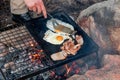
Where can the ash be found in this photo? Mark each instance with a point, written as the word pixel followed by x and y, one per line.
pixel 20 62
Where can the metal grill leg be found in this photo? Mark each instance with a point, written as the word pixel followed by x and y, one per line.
pixel 3 75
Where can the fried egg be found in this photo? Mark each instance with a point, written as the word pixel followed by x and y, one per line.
pixel 54 38
pixel 50 25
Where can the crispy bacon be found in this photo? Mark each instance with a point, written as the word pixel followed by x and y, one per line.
pixel 68 47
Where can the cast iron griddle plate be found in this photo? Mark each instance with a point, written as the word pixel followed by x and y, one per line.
pixel 88 47
pixel 39 28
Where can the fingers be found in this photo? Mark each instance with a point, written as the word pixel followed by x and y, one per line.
pixel 43 9
pixel 38 9
pixel 31 6
pixel 36 6
pixel 34 9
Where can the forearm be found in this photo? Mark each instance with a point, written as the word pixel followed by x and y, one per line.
pixel 23 6
pixel 18 7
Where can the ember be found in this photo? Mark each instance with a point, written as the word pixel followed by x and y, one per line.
pixel 32 45
pixel 36 55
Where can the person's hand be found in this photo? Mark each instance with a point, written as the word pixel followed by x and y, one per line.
pixel 36 6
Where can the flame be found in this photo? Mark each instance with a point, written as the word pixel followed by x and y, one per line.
pixel 68 69
pixel 39 51
pixel 52 73
pixel 31 44
pixel 34 56
pixel 77 71
pixel 74 68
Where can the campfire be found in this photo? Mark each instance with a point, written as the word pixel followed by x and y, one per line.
pixel 26 55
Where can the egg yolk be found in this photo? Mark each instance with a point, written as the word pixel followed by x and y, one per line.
pixel 59 38
pixel 57 31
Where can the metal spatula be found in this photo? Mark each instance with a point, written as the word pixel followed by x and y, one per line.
pixel 60 28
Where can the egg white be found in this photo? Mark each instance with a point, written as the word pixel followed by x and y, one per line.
pixel 50 24
pixel 51 37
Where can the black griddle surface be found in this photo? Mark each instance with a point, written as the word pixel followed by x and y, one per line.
pixel 40 28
